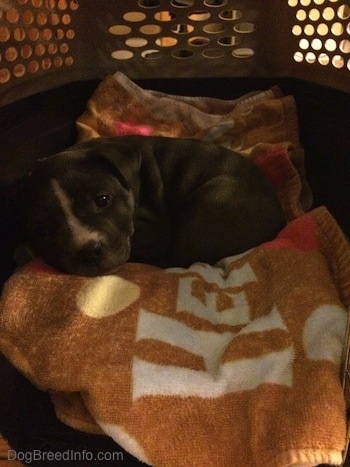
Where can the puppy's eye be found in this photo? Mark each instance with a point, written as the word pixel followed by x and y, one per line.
pixel 102 201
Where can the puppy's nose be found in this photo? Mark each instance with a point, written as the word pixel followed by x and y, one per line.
pixel 91 253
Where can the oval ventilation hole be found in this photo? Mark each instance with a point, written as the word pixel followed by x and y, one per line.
pixel 150 29
pixel 322 29
pixel 215 3
pixel 33 34
pixel 228 40
pixel 134 16
pixel 199 16
pixel 62 4
pixel 213 53
pixel 19 70
pixel 337 29
pixel 136 42
pixel 66 19
pixel 182 3
pixel 165 16
pixel 298 57
pixel 297 30
pixel 244 28
pixel 316 44
pixel 323 59
pixel 310 57
pixel 345 46
pixel 338 61
pixel 47 34
pixel 120 30
pixel 182 28
pixel 166 41
pixel 59 34
pixel 70 34
pixel 5 75
pixel 304 44
pixel 330 45
pixel 243 52
pixel 122 54
pixel 57 62
pixel 309 30
pixel 214 28
pixel 151 54
pixel 231 15
pixel 12 15
pixel 42 18
pixel 314 14
pixel 52 49
pixel 301 15
pixel 328 14
pixel 54 19
pixel 27 17
pixel 33 66
pixel 46 64
pixel 69 61
pixel 149 3
pixel 64 48
pixel 26 51
pixel 19 34
pixel 4 34
pixel 344 12
pixel 11 54
pixel 182 53
pixel 198 41
pixel 39 50
pixel 74 5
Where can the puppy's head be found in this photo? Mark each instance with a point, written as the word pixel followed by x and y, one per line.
pixel 79 207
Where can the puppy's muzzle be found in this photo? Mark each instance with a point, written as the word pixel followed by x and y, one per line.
pixel 97 258
pixel 90 254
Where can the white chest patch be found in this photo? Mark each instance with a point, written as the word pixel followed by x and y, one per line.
pixel 82 234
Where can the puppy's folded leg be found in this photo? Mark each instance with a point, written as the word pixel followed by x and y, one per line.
pixel 241 217
pixel 150 242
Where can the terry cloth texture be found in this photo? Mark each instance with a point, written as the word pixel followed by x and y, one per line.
pixel 260 125
pixel 231 365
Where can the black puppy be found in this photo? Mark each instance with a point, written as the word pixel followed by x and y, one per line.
pixel 162 201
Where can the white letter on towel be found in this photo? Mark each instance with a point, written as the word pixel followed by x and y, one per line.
pixel 243 375
pixel 219 378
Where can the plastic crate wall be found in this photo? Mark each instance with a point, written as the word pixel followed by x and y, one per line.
pixel 47 43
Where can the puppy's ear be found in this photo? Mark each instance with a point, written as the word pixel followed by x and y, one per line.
pixel 122 160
